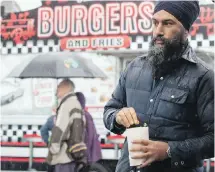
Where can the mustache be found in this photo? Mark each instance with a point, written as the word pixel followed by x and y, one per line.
pixel 160 38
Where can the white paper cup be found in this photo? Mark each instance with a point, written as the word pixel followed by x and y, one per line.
pixel 135 134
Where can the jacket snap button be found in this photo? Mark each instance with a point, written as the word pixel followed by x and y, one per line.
pixel 161 78
pixel 151 100
pixel 172 96
pixel 176 163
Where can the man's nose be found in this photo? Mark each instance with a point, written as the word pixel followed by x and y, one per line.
pixel 158 30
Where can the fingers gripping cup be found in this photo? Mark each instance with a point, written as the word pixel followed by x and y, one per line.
pixel 132 134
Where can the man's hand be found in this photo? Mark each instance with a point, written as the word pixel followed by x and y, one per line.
pixel 127 117
pixel 151 151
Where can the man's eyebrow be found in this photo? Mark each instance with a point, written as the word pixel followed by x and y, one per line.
pixel 169 20
pixel 165 20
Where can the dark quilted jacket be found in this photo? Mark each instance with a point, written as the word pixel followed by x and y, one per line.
pixel 178 108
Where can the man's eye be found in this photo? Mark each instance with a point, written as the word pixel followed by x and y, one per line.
pixel 168 23
pixel 155 23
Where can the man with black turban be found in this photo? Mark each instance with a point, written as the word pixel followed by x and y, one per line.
pixel 172 91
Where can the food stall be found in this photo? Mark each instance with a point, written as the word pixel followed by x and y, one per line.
pixel 110 33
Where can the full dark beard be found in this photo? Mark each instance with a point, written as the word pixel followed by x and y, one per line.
pixel 164 59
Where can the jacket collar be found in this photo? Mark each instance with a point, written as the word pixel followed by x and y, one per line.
pixel 190 55
pixel 60 100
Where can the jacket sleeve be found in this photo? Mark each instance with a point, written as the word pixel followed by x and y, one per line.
pixel 44 131
pixel 202 147
pixel 76 142
pixel 61 127
pixel 115 104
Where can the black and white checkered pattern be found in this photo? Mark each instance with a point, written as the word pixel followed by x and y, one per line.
pixel 30 46
pixel 202 41
pixel 15 133
pixel 198 41
pixel 140 42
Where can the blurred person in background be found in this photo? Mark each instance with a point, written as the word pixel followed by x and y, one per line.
pixel 46 128
pixel 172 91
pixel 67 150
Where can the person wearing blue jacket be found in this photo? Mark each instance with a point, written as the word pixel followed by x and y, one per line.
pixel 44 132
pixel 46 128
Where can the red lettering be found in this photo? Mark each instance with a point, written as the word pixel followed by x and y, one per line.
pixel 79 20
pixel 206 15
pixel 129 17
pixel 62 20
pixel 112 17
pixel 96 21
pixel 210 29
pixel 45 22
pixel 145 23
pixel 194 29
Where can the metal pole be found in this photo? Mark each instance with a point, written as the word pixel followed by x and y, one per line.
pixel 116 149
pixel 208 165
pixel 31 154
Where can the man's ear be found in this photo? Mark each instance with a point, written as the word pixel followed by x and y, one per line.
pixel 186 34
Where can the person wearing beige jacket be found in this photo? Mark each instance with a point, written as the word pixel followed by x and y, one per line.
pixel 67 147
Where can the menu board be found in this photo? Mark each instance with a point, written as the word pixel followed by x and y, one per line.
pixel 44 92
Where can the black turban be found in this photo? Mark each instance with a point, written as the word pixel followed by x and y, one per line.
pixel 184 11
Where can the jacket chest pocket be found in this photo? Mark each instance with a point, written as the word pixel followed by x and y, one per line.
pixel 172 104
